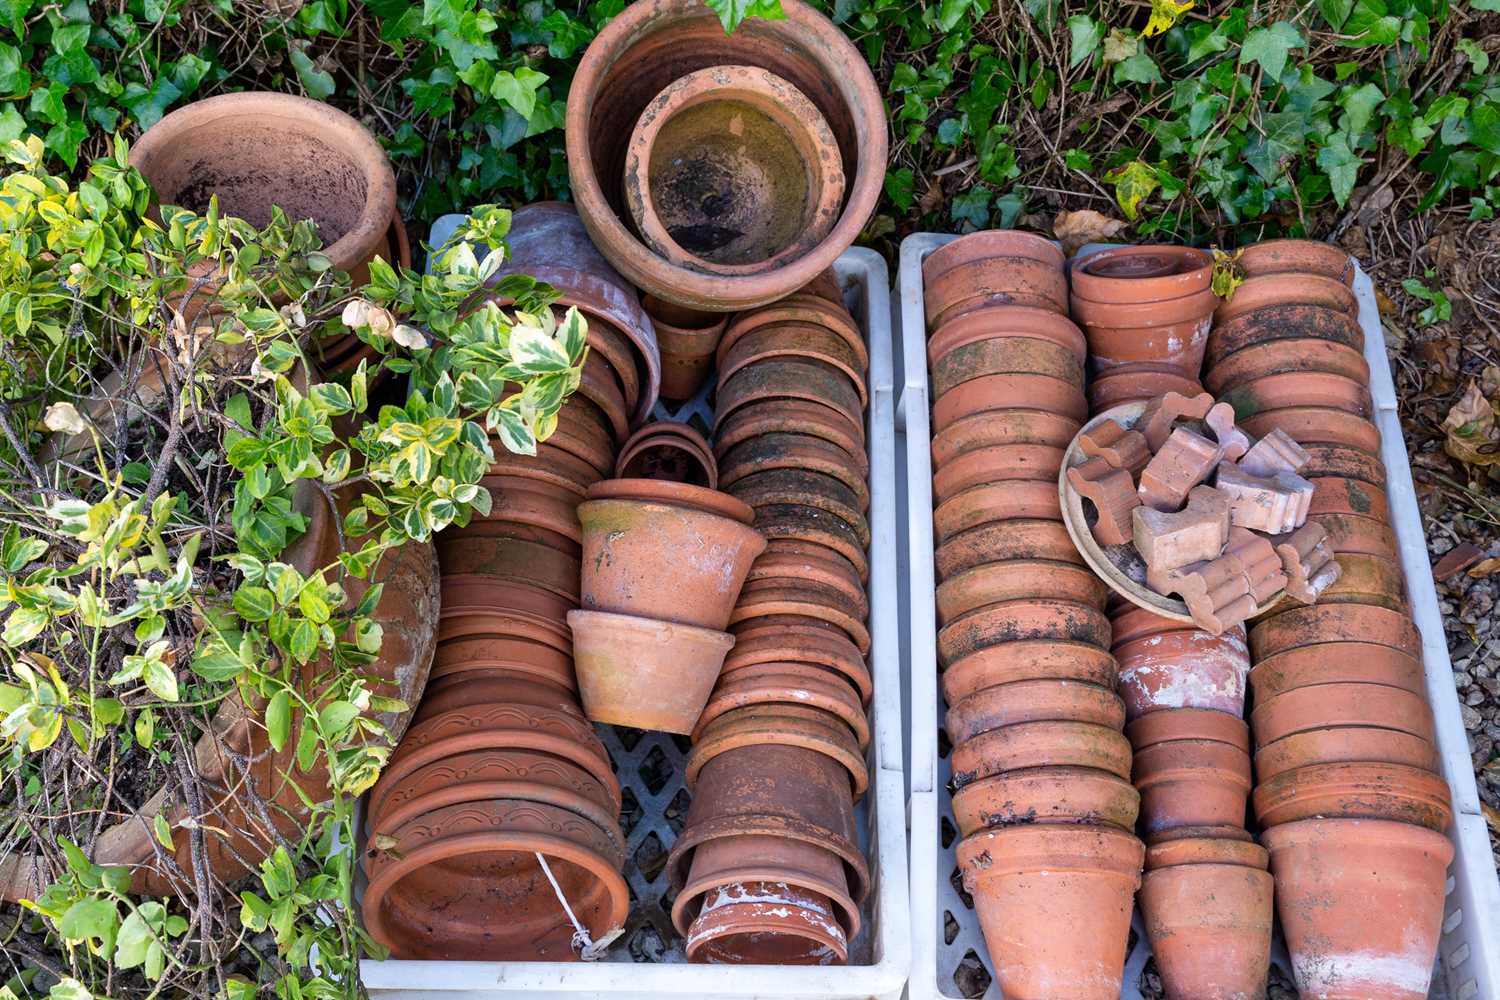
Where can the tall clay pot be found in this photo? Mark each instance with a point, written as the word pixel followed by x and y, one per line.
pixel 688 339
pixel 1144 306
pixel 1210 929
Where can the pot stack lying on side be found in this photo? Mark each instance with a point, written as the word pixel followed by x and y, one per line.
pixel 1041 770
pixel 1146 311
pixel 768 866
pixel 500 765
pixel 1348 790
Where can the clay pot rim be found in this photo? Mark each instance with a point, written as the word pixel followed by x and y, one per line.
pixel 756 418
pixel 1174 724
pixel 977 246
pixel 856 868
pixel 800 309
pixel 1072 774
pixel 1318 743
pixel 635 623
pixel 653 303
pixel 977 661
pixel 1121 388
pixel 989 281
pixel 1031 391
pixel 756 917
pixel 942 454
pixel 1052 847
pixel 1265 711
pixel 1217 851
pixel 676 434
pixel 858 91
pixel 1054 733
pixel 1192 270
pixel 736 528
pixel 1190 314
pixel 1296 790
pixel 1035 350
pixel 729 364
pixel 1377 833
pixel 1000 320
pixel 974 578
pixel 389 818
pixel 1267 666
pixel 1303 251
pixel 752 725
pixel 1036 689
pixel 679 495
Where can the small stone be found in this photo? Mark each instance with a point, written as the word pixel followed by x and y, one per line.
pixel 1472 718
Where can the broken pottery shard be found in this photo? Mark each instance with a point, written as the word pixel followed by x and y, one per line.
pixel 1165 410
pixel 1233 442
pixel 1274 504
pixel 1184 461
pixel 1308 562
pixel 1276 452
pixel 1112 492
pixel 1168 540
pixel 1121 448
pixel 1262 565
pixel 1217 591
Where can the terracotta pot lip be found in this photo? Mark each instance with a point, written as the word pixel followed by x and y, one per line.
pixel 1302 250
pixel 1217 851
pixel 774 917
pixel 1384 780
pixel 975 246
pixel 1052 847
pixel 1173 724
pixel 323 120
pixel 796 308
pixel 812 729
pixel 1002 320
pixel 673 494
pixel 1173 272
pixel 1318 832
pixel 857 89
pixel 648 627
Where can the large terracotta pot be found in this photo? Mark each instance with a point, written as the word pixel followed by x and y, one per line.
pixel 1189 668
pixel 1359 790
pixel 1054 903
pixel 1210 929
pixel 650 45
pixel 1361 904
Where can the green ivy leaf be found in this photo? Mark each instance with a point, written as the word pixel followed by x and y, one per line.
pixel 1341 165
pixel 317 82
pixel 1370 23
pixel 1084 36
pixel 733 12
pixel 254 604
pixel 518 89
pixel 279 719
pixel 1139 68
pixel 1359 107
pixel 1269 47
pixel 1134 182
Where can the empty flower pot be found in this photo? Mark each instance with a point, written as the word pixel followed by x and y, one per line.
pixel 1001 463
pixel 1014 621
pixel 804 452
pixel 1299 389
pixel 1054 904
pixel 788 684
pixel 1317 425
pixel 804 645
pixel 645 673
pixel 1009 499
pixel 1027 660
pixel 1333 662
pixel 788 726
pixel 688 339
pixel 1145 305
pixel 1186 783
pixel 1017 579
pixel 1358 790
pixel 1047 700
pixel 1309 626
pixel 1278 357
pixel 1343 744
pixel 1184 669
pixel 1138 384
pixel 994 281
pixel 1270 291
pixel 1009 392
pixel 1021 538
pixel 797 340
pixel 1210 929
pixel 1078 795
pixel 991 243
pixel 1002 427
pixel 1235 847
pixel 1361 904
pixel 683 495
pixel 1282 323
pixel 766 923
pixel 985 322
pixel 791 416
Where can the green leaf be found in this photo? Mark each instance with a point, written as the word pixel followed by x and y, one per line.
pixel 160 679
pixel 1134 182
pixel 1478 58
pixel 1269 47
pixel 163 831
pixel 1281 137
pixel 1341 165
pixel 217 665
pixel 69 988
pixel 89 919
pixel 1359 106
pixel 1139 68
pixel 1335 12
pixel 518 89
pixel 279 719
pixel 317 82
pixel 733 12
pixel 1370 23
pixel 334 718
pixel 1084 36
pixel 1484 125
pixel 14 79
pixel 254 604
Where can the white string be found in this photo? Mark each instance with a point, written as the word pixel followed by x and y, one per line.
pixel 588 949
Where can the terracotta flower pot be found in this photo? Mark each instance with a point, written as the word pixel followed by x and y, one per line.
pixel 543 507
pixel 787 726
pixel 766 600
pixel 684 495
pixel 1370 580
pixel 511 559
pixel 1343 744
pixel 1296 257
pixel 1184 669
pixel 820 568
pixel 583 432
pixel 479 623
pixel 804 525
pixel 1027 660
pixel 766 923
pixel 1357 790
pixel 1130 274
pixel 1006 500
pixel 791 378
pixel 1278 357
pixel 985 466
pixel 991 243
pixel 474 688
pixel 791 416
pixel 1011 539
pixel 1177 724
pixel 986 322
pixel 791 645
pixel 1317 425
pixel 797 340
pixel 1013 621
pixel 483 594
pixel 1047 700
pixel 551 466
pixel 1299 389
pixel 1014 580
pixel 1210 929
pixel 1279 323
pixel 788 684
pixel 1272 290
pixel 1005 354
pixel 1041 744
pixel 784 487
pixel 1191 783
pixel 1307 626
pixel 800 452
pixel 639 54
pixel 670 451
pixel 994 281
pixel 507 654
pixel 688 339
pixel 1132 623
pixel 1341 704
pixel 1055 905
pixel 1335 495
pixel 1361 904
pixel 1240 850
pixel 1002 427
pixel 1079 795
pixel 1334 662
pixel 1009 392
pixel 431 895
pixel 1339 460
pixel 1138 384
pixel 645 673
pixel 1352 534
pixel 801 309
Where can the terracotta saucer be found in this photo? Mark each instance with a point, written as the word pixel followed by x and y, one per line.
pixel 1004 355
pixel 1007 320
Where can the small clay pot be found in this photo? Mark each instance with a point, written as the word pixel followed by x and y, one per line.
pixel 1336 495
pixel 1027 660
pixel 1033 701
pixel 788 684
pixel 783 726
pixel 1046 795
pixel 1174 346
pixel 1002 427
pixel 1334 662
pixel 1296 257
pixel 985 466
pixel 1272 291
pixel 1341 704
pixel 994 281
pixel 1054 903
pixel 525 501
pixel 1307 626
pixel 1360 790
pixel 811 525
pixel 1354 535
pixel 1177 724
pixel 1343 744
pixel 1004 355
pixel 1340 460
pixel 1006 500
pixel 1009 392
pixel 551 466
pixel 644 673
pixel 683 495
pixel 1317 425
pixel 731 170
pixel 1138 384
pixel 1282 322
pixel 1361 904
pixel 994 541
pixel 1014 580
pixel 1042 744
pixel 814 647
pixel 991 243
pixel 802 487
pixel 790 378
pixel 796 340
pixel 1131 274
pixel 821 568
pixel 511 559
pixel 522 657
pixel 1278 357
pixel 1210 929
pixel 800 309
pixel 1191 783
pixel 1276 392
pixel 766 923
pixel 1018 621
pixel 1240 850
pixel 671 451
pixel 792 416
pixel 1184 669
pixel 985 322
pixel 688 339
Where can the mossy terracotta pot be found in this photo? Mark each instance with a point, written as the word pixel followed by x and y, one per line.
pixel 1282 322
pixel 1343 744
pixel 986 322
pixel 791 416
pixel 1138 384
pixel 1048 700
pixel 994 281
pixel 801 487
pixel 1014 580
pixel 802 452
pixel 1299 389
pixel 806 308
pixel 687 339
pixel 670 451
pixel 1002 427
pixel 767 600
pixel 684 495
pixel 1333 662
pixel 797 340
pixel 1317 425
pixel 1019 538
pixel 804 525
pixel 1054 903
pixel 1272 290
pixel 1027 660
pixel 1355 535
pixel 1279 357
pixel 1007 500
pixel 1341 704
pixel 766 923
pixel 791 378
pixel 645 673
pixel 1009 392
pixel 1361 904
pixel 1008 354
pixel 991 243
pixel 1070 795
pixel 1210 929
pixel 1189 668
pixel 1340 460
pixel 1296 257
pixel 1000 463
pixel 1014 621
pixel 1336 495
pixel 1041 744
pixel 1356 790
pixel 430 895
pixel 1186 783
pixel 1308 626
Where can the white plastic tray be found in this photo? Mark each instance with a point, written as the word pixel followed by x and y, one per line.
pixel 648 961
pixel 945 929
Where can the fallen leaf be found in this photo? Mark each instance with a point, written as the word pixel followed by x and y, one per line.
pixel 1491 816
pixel 1385 304
pixel 1489 381
pixel 1470 426
pixel 1485 568
pixel 1459 558
pixel 1076 229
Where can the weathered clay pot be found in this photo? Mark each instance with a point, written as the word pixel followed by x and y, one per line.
pixel 1317 425
pixel 645 673
pixel 820 568
pixel 1047 700
pixel 994 281
pixel 1355 789
pixel 985 466
pixel 985 322
pixel 1134 623
pixel 474 623
pixel 731 170
pixel 1010 539
pixel 547 509
pixel 1307 626
pixel 1334 662
pixel 791 416
pixel 1138 384
pixel 1187 783
pixel 1188 724
pixel 504 654
pixel 1278 357
pixel 1296 257
pixel 1279 323
pixel 670 563
pixel 1210 929
pixel 766 923
pixel 1017 579
pixel 1046 795
pixel 430 896
pixel 1009 499
pixel 650 45
pixel 481 594
pixel 1027 660
pixel 688 339
pixel 805 488
pixel 781 726
pixel 1002 427
pixel 1009 392
pixel 584 432
pixel 1128 275
pixel 788 684
pixel 991 243
pixel 1373 580
pixel 791 378
pixel 1184 669
pixel 671 451
pixel 795 599
pixel 510 559
pixel 1144 305
pixel 1342 704
pixel 1054 903
pixel 802 452
pixel 471 688
pixel 1338 460
pixel 1041 744
pixel 1352 534
pixel 801 309
pixel 1344 744
pixel 550 465
pixel 1240 850
pixel 684 495
pixel 1013 621
pixel 1299 389
pixel 809 646
pixel 807 525
pixel 1269 291
pixel 796 340
pixel 1335 495
pixel 1361 904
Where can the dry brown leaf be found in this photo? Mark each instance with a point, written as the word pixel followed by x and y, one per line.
pixel 1470 426
pixel 1491 816
pixel 1489 381
pixel 1484 568
pixel 1076 229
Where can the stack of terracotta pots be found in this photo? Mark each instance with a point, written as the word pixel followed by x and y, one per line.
pixel 1146 311
pixel 1041 770
pixel 500 772
pixel 663 564
pixel 768 867
pixel 1348 790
